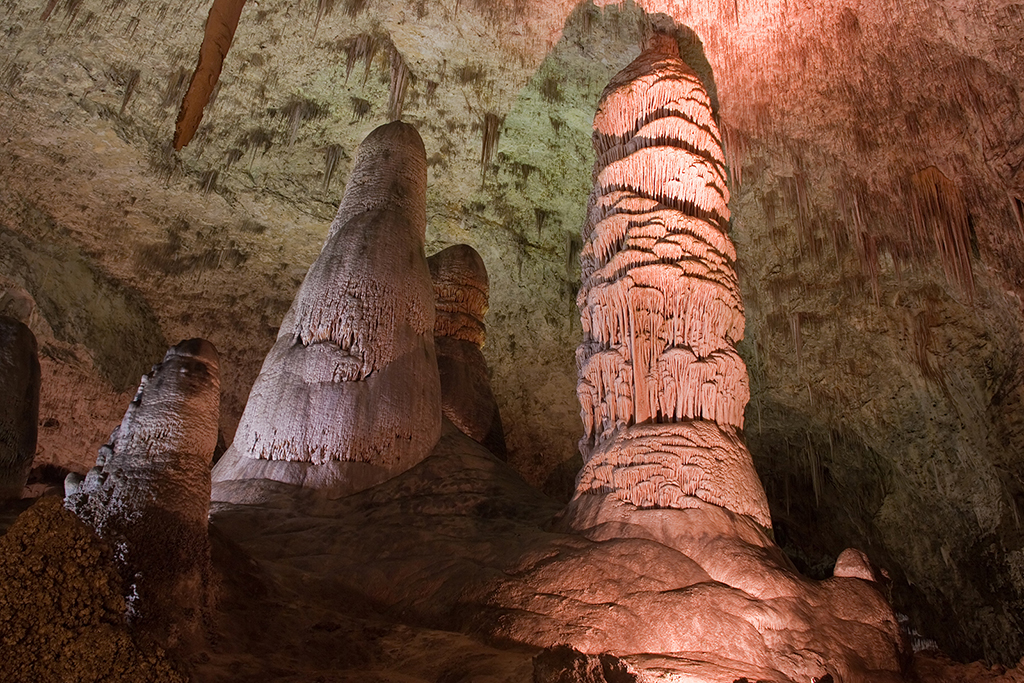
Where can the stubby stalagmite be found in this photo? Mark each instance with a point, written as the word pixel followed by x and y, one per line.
pixel 149 493
pixel 349 395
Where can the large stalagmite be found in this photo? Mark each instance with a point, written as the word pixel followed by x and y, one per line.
pixel 19 405
pixel 149 493
pixel 460 291
pixel 661 387
pixel 349 395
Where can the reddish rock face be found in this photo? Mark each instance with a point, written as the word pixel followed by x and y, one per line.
pixel 460 294
pixel 662 389
pixel 349 395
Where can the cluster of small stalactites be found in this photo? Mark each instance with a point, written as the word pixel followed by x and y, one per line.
pixel 659 302
pixel 363 314
pixel 461 293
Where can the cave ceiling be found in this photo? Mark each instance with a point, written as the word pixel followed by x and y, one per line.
pixel 876 154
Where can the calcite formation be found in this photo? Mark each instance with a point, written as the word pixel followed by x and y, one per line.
pixel 149 494
pixel 460 293
pixel 661 387
pixel 349 395
pixel 62 613
pixel 19 405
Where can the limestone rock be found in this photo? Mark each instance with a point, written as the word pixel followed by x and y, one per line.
pixel 349 395
pixel 460 294
pixel 19 409
pixel 662 390
pixel 461 543
pixel 149 493
pixel 62 614
pixel 563 664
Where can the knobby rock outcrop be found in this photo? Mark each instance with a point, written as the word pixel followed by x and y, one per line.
pixel 460 294
pixel 349 395
pixel 149 494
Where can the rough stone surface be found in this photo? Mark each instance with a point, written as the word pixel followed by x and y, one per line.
pixel 562 664
pixel 149 494
pixel 460 543
pixel 662 390
pixel 349 395
pixel 460 295
pixel 885 406
pixel 62 613
pixel 19 410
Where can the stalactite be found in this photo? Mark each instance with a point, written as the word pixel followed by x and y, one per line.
pixel 332 155
pixel 361 47
pixel 220 31
pixel 399 82
pixel 661 387
pixel 940 216
pixel 131 81
pixel 492 131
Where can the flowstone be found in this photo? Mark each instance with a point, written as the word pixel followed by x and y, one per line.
pixel 460 294
pixel 349 395
pixel 149 494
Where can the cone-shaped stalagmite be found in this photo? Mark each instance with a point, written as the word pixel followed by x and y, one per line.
pixel 19 405
pixel 349 395
pixel 149 493
pixel 460 290
pixel 661 388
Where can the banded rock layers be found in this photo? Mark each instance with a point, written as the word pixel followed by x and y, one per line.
pixel 460 291
pixel 661 388
pixel 349 395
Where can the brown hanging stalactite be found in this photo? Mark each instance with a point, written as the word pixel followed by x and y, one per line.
pixel 220 31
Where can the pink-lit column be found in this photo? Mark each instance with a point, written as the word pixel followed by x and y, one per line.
pixel 661 387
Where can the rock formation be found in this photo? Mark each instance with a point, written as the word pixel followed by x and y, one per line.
pixel 19 408
pixel 460 295
pixel 149 493
pixel 662 389
pixel 349 395
pixel 62 614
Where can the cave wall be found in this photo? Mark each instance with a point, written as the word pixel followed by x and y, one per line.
pixel 884 316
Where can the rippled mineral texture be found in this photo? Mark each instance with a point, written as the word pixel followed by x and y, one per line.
pixel 662 393
pixel 349 395
pixel 662 389
pixel 19 405
pixel 149 494
pixel 460 292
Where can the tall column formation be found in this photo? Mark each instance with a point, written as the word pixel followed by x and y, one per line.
pixel 149 493
pixel 460 296
pixel 19 405
pixel 661 387
pixel 349 395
